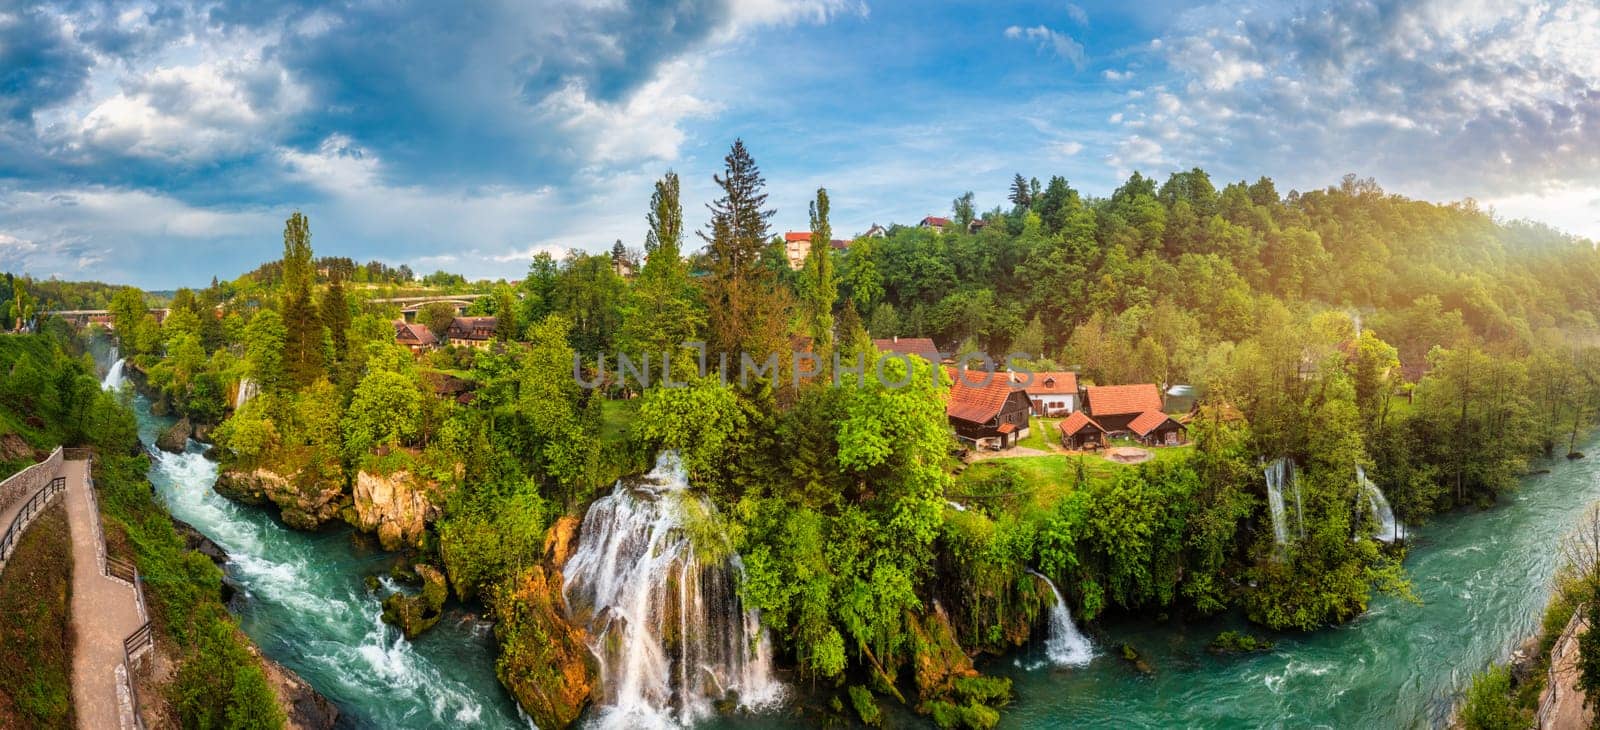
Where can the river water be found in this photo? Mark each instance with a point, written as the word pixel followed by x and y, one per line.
pixel 1482 577
pixel 305 603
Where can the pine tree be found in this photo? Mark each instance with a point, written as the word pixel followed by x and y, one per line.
pixel 304 334
pixel 744 306
pixel 1021 194
pixel 336 317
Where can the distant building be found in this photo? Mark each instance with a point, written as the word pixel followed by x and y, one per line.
pixel 839 244
pixel 471 331
pixel 935 222
pixel 1051 393
pixel 796 247
pixel 1154 428
pixel 876 231
pixel 984 410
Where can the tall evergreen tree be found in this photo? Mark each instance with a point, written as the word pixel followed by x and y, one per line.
pixel 336 317
pixel 661 310
pixel 739 292
pixel 818 289
pixel 1021 193
pixel 303 354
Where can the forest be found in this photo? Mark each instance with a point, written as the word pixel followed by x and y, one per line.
pixel 1438 348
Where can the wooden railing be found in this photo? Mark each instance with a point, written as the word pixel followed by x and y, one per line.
pixel 30 510
pixel 1552 684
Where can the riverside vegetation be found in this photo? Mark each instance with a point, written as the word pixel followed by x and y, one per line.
pixel 1430 348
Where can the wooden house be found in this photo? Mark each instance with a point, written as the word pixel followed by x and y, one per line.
pixel 985 411
pixel 414 337
pixel 919 346
pixel 1154 428
pixel 1079 432
pixel 1115 406
pixel 471 331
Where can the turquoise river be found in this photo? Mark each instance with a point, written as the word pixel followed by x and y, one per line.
pixel 1482 578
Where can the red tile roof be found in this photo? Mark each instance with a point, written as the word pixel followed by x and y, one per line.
pixel 910 346
pixel 1147 422
pixel 934 220
pixel 976 396
pixel 413 334
pixel 793 236
pixel 839 244
pixel 1052 382
pixel 1077 422
pixel 1122 400
pixel 471 328
pixel 1007 427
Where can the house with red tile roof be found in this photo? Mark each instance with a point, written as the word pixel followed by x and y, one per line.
pixel 1115 406
pixel 471 331
pixel 415 337
pixel 919 346
pixel 935 222
pixel 985 411
pixel 1154 428
pixel 796 247
pixel 1051 393
pixel 1079 432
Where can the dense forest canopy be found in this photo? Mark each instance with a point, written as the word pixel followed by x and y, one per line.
pixel 1434 346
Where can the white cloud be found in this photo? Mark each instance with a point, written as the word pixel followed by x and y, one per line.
pixel 1068 149
pixel 1050 41
pixel 644 126
pixel 1077 14
pixel 1112 74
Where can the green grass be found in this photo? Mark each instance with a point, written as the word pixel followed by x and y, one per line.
pixel 1049 478
pixel 36 634
pixel 1042 434
pixel 617 417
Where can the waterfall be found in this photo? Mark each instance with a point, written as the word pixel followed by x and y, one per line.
pixel 1065 646
pixel 667 625
pixel 1389 529
pixel 1280 473
pixel 113 381
pixel 247 390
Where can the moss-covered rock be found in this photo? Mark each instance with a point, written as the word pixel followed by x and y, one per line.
pixel 866 706
pixel 544 661
pixel 307 501
pixel 176 438
pixel 937 658
pixel 416 614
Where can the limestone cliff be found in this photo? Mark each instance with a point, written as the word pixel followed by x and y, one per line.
pixel 397 507
pixel 305 501
pixel 544 660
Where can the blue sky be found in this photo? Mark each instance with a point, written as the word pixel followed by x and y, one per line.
pixel 161 143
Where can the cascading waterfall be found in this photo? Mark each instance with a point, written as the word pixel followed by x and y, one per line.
pixel 113 380
pixel 1281 473
pixel 667 626
pixel 247 390
pixel 1065 646
pixel 1389 529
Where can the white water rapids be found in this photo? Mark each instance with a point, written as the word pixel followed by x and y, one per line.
pixel 670 632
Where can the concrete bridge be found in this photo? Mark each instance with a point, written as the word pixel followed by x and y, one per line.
pixel 409 306
pixel 84 317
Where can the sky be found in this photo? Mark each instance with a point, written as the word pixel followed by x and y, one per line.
pixel 162 143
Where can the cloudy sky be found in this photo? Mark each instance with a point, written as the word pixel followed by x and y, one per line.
pixel 161 143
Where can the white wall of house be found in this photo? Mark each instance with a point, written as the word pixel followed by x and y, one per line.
pixel 1054 404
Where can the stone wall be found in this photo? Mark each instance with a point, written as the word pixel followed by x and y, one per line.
pixel 21 485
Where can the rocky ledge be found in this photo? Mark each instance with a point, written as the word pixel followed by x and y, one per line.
pixel 305 504
pixel 396 507
pixel 545 661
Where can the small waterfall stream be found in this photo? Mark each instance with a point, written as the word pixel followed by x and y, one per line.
pixel 664 619
pixel 247 390
pixel 1389 529
pixel 1065 646
pixel 1281 473
pixel 113 379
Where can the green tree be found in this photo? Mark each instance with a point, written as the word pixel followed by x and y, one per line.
pixel 661 311
pixel 739 296
pixel 818 290
pixel 385 411
pixel 264 343
pixel 303 332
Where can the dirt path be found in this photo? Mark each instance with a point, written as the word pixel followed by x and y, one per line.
pixel 104 612
pixel 1567 709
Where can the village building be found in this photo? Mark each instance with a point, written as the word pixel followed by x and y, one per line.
pixel 1115 406
pixel 876 231
pixel 1079 432
pixel 935 222
pixel 984 410
pixel 919 346
pixel 475 332
pixel 1051 393
pixel 796 247
pixel 414 337
pixel 1154 428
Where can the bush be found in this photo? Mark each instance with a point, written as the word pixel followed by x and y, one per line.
pixel 1489 705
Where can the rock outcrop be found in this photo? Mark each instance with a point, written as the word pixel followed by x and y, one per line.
pixel 304 708
pixel 544 660
pixel 194 540
pixel 305 503
pixel 416 614
pixel 176 438
pixel 397 507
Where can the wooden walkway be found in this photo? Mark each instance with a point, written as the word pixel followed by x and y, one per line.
pixel 106 611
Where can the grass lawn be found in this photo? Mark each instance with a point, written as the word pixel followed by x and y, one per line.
pixel 1049 478
pixel 1042 434
pixel 617 417
pixel 36 635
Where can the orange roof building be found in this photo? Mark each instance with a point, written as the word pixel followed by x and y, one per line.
pixel 984 409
